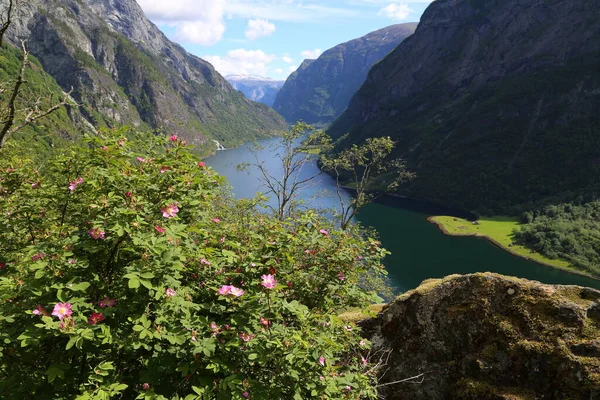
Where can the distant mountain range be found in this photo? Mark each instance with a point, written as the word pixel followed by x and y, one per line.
pixel 493 103
pixel 123 70
pixel 256 88
pixel 320 90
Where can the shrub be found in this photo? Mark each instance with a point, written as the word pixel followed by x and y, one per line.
pixel 127 271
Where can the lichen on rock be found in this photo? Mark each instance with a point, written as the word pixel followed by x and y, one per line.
pixel 486 336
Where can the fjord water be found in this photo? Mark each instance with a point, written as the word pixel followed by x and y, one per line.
pixel 419 250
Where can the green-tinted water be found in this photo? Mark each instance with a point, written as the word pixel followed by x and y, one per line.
pixel 419 250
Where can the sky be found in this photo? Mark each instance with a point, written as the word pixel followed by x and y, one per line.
pixel 271 38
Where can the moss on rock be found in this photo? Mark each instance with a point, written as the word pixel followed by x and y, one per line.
pixel 486 336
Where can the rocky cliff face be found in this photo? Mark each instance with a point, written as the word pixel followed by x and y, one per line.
pixel 318 92
pixel 125 71
pixel 256 88
pixel 493 102
pixel 485 336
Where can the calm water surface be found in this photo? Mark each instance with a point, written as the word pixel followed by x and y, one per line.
pixel 419 250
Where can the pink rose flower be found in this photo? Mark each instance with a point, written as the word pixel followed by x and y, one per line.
pixel 107 302
pixel 201 164
pixel 264 321
pixel 246 337
pixel 62 310
pixel 228 290
pixel 174 138
pixel 39 310
pixel 73 185
pixel 204 261
pixel 141 159
pixel 159 229
pixel 216 220
pixel 268 281
pixel 95 318
pixel 170 211
pixel 322 361
pixel 170 292
pixel 97 233
pixel 324 232
pixel 225 290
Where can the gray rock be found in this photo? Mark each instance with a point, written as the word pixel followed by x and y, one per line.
pixel 472 340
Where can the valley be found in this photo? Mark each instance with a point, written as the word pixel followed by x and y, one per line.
pixel 231 200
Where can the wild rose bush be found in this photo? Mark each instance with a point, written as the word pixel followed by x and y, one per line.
pixel 126 271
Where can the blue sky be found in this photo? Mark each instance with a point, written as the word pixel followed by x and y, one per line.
pixel 272 37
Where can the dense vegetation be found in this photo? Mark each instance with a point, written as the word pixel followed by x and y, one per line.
pixel 567 231
pixel 39 86
pixel 489 126
pixel 320 90
pixel 127 271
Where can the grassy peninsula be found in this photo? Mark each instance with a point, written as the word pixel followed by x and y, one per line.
pixel 500 231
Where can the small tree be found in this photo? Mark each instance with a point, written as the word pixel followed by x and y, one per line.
pixel 293 156
pixel 16 110
pixel 366 170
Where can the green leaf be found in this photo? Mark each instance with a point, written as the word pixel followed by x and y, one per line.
pixel 134 283
pixel 54 372
pixel 71 342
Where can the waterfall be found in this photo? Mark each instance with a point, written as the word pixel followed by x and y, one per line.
pixel 219 145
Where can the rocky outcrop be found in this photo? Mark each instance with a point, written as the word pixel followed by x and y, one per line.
pixel 493 102
pixel 320 90
pixel 486 336
pixel 256 88
pixel 125 71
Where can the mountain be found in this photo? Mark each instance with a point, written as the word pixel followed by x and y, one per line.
pixel 123 70
pixel 256 88
pixel 493 103
pixel 320 90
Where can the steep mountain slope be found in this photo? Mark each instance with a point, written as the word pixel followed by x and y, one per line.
pixel 125 71
pixel 320 90
pixel 256 88
pixel 494 103
pixel 66 123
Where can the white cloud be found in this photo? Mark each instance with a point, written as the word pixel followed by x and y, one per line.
pixel 242 61
pixel 195 21
pixel 396 11
pixel 199 32
pixel 259 27
pixel 287 59
pixel 292 69
pixel 279 71
pixel 311 54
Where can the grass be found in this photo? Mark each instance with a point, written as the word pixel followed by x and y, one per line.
pixel 357 314
pixel 499 230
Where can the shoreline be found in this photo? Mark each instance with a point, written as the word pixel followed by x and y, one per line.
pixel 496 243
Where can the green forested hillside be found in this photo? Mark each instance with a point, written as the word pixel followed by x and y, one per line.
pixel 499 122
pixel 56 129
pixel 567 231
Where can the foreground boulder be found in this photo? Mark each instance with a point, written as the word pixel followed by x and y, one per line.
pixel 487 336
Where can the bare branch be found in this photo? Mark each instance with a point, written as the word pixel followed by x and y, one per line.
pixel 33 111
pixel 10 120
pixel 417 379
